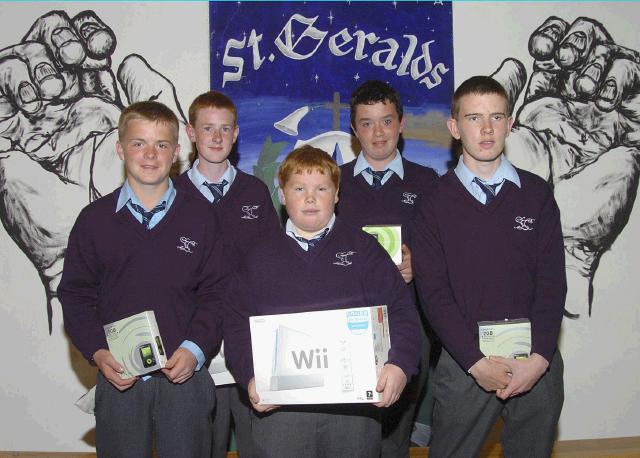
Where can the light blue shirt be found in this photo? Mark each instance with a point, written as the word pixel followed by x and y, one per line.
pixel 126 197
pixel 199 179
pixel 395 166
pixel 291 231
pixel 505 171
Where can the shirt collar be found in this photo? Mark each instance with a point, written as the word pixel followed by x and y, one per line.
pixel 126 194
pixel 291 230
pixel 505 171
pixel 198 179
pixel 395 165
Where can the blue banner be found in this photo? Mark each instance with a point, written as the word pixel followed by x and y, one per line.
pixel 291 67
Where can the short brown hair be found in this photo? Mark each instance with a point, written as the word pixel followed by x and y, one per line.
pixel 149 111
pixel 308 159
pixel 371 92
pixel 477 85
pixel 211 99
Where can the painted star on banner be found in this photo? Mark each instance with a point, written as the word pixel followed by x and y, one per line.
pixel 356 77
pixel 330 17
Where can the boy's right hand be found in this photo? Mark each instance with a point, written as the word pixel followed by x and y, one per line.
pixel 491 375
pixel 111 369
pixel 255 399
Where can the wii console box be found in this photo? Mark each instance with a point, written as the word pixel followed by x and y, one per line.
pixel 324 357
pixel 390 237
pixel 506 338
pixel 219 371
pixel 136 344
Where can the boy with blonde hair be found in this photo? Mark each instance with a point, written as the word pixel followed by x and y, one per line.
pixel 147 246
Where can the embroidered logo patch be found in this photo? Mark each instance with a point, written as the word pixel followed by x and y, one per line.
pixel 343 258
pixel 408 198
pixel 524 223
pixel 248 211
pixel 187 244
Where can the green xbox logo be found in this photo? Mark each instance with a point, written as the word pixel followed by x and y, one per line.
pixel 390 237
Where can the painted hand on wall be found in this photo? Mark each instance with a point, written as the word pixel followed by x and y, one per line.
pixel 59 108
pixel 579 128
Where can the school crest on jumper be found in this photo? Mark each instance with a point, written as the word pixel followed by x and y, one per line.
pixel 408 198
pixel 343 258
pixel 186 244
pixel 524 223
pixel 248 211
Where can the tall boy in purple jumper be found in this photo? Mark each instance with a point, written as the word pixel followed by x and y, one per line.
pixel 381 187
pixel 488 246
pixel 319 263
pixel 246 213
pixel 143 247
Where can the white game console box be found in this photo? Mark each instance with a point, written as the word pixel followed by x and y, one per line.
pixel 324 357
pixel 390 237
pixel 219 371
pixel 136 344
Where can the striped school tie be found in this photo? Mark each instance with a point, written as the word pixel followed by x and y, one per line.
pixel 147 215
pixel 488 189
pixel 217 190
pixel 377 175
pixel 311 243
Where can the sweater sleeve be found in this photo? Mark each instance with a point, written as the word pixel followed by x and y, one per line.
pixel 551 282
pixel 434 289
pixel 78 290
pixel 385 286
pixel 205 327
pixel 237 334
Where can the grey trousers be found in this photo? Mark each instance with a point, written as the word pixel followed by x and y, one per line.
pixel 464 413
pixel 350 431
pixel 177 417
pixel 232 401
pixel 397 420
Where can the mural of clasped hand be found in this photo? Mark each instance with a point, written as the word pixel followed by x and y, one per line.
pixel 59 108
pixel 579 128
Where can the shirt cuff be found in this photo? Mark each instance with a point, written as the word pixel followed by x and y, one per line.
pixel 193 348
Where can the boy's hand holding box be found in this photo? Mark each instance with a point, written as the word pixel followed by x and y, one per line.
pixel 390 237
pixel 323 357
pixel 136 344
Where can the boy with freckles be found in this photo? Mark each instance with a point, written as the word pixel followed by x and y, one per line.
pixel 319 263
pixel 243 205
pixel 148 246
pixel 488 246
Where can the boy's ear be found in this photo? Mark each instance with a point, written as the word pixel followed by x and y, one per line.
pixel 452 125
pixel 191 133
pixel 281 197
pixel 336 198
pixel 176 153
pixel 119 150
pixel 236 131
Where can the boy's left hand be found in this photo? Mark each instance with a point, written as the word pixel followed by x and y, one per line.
pixel 180 366
pixel 391 382
pixel 525 373
pixel 405 266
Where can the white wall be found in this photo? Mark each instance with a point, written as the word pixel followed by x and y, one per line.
pixel 40 380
